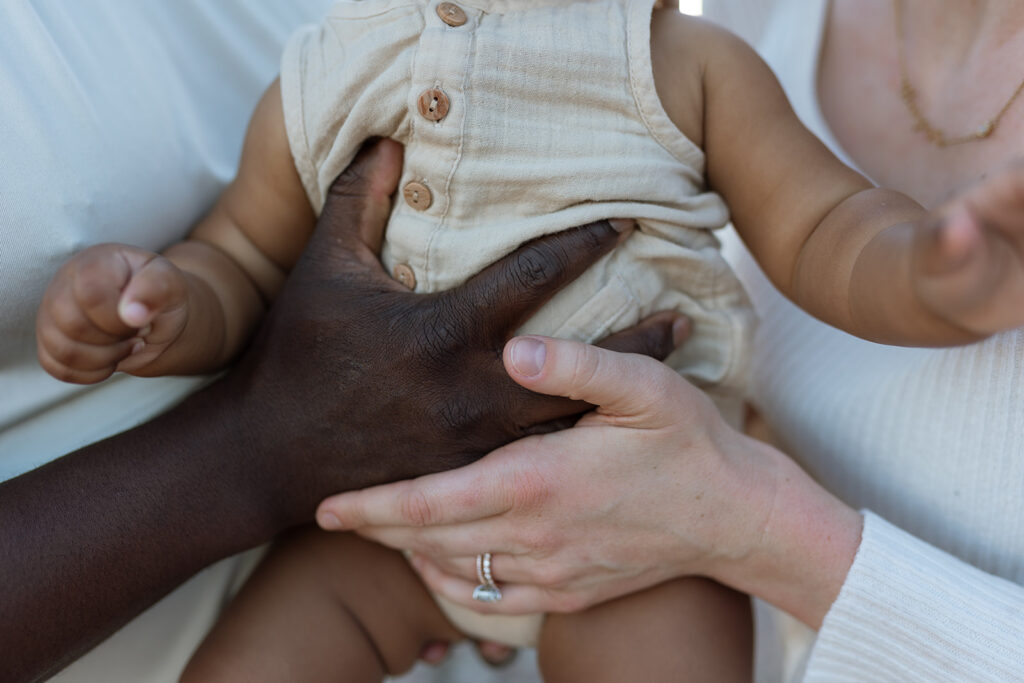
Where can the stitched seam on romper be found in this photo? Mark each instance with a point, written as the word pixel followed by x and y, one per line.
pixel 458 154
pixel 413 121
pixel 605 327
pixel 302 158
pixel 638 97
pixel 350 11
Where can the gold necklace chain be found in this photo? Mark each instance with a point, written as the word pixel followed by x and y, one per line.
pixel 908 92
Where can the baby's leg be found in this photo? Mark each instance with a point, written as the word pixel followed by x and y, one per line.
pixel 685 630
pixel 322 607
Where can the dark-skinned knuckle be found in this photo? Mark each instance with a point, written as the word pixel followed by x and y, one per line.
pixel 438 339
pixel 452 415
pixel 598 235
pixel 657 342
pixel 536 265
pixel 351 182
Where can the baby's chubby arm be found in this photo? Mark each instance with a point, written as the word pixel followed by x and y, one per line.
pixel 870 261
pixel 190 309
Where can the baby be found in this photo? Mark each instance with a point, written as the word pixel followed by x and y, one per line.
pixel 521 118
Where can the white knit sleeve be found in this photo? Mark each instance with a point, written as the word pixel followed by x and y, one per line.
pixel 910 612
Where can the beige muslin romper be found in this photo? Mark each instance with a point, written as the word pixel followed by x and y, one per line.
pixel 522 118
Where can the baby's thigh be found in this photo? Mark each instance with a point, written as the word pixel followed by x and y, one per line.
pixel 322 603
pixel 690 629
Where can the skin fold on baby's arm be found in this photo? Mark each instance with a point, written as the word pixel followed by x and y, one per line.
pixel 869 261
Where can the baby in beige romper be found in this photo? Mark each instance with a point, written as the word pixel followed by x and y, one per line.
pixel 521 118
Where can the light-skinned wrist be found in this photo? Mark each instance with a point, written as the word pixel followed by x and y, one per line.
pixel 794 542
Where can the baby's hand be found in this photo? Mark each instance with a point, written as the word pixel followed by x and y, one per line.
pixel 111 307
pixel 969 256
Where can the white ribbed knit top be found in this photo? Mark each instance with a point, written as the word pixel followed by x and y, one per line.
pixel 930 440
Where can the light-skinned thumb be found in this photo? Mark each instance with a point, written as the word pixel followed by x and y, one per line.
pixel 620 383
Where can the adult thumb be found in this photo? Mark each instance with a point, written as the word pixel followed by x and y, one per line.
pixel 618 383
pixel 358 203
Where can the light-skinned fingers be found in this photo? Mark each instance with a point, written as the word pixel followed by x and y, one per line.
pixel 510 567
pixel 472 492
pixel 516 598
pixel 155 289
pixel 66 374
pixel 467 539
pixel 620 383
pixel 359 201
pixel 656 337
pixel 516 286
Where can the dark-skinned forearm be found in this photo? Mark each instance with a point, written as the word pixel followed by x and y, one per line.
pixel 90 540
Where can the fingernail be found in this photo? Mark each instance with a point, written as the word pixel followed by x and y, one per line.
pixel 134 314
pixel 528 356
pixel 138 346
pixel 328 521
pixel 680 331
pixel 622 224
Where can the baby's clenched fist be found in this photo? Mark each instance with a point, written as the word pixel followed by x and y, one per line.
pixel 111 307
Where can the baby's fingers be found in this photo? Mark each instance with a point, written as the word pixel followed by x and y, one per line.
pixel 998 201
pixel 952 243
pixel 96 279
pixel 158 287
pixel 73 361
pixel 972 274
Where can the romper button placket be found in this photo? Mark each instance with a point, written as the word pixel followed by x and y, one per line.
pixel 451 14
pixel 433 104
pixel 417 195
pixel 405 275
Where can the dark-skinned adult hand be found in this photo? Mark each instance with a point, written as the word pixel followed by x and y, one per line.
pixel 394 384
pixel 351 381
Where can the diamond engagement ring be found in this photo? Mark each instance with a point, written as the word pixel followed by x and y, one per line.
pixel 487 591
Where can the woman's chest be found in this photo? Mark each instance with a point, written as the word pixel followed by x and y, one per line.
pixel 867 62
